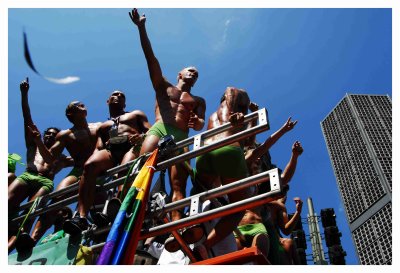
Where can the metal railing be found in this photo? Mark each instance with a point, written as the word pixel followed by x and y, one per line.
pixel 198 148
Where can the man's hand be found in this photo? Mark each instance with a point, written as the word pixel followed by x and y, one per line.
pixel 236 118
pixel 24 85
pixel 136 18
pixel 289 125
pixel 297 149
pixel 136 139
pixel 299 204
pixel 34 131
pixel 253 106
pixel 193 120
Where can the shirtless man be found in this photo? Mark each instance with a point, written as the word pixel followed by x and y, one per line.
pixel 251 225
pixel 37 180
pixel 176 111
pixel 118 142
pixel 282 250
pixel 80 141
pixel 226 164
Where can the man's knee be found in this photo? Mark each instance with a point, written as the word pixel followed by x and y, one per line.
pixel 91 167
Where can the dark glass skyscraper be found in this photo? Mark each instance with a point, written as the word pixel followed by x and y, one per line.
pixel 358 135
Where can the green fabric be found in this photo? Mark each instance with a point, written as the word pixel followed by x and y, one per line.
pixel 60 252
pixel 36 181
pixel 161 129
pixel 76 172
pixel 12 162
pixel 252 229
pixel 227 162
pixel 52 237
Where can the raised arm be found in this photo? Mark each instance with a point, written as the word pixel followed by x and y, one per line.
pixel 290 168
pixel 152 62
pixel 37 138
pixel 267 144
pixel 26 112
pixel 286 225
pixel 52 154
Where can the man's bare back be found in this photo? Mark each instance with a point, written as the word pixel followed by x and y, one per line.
pixel 233 107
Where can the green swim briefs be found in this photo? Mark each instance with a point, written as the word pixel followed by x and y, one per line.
pixel 227 162
pixel 161 129
pixel 36 181
pixel 252 229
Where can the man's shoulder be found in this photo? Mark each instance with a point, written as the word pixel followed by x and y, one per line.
pixel 63 134
pixel 199 99
pixel 163 86
pixel 135 114
pixel 95 125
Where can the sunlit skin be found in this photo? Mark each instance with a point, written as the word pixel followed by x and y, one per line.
pixel 131 124
pixel 175 105
pixel 17 190
pixel 80 142
pixel 233 108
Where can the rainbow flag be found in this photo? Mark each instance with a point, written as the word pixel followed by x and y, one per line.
pixel 116 242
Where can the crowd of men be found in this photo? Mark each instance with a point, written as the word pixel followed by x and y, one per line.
pixel 94 148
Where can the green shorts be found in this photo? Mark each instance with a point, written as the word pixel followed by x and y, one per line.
pixel 36 181
pixel 252 229
pixel 227 162
pixel 76 172
pixel 161 129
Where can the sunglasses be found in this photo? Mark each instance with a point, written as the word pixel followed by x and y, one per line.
pixel 77 104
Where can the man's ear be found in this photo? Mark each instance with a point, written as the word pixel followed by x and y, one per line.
pixel 179 76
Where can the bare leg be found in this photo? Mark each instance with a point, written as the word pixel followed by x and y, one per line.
pixel 262 242
pixel 239 244
pixel 178 178
pixel 47 220
pixel 149 144
pixel 28 224
pixel 97 163
pixel 290 250
pixel 129 156
pixel 11 178
pixel 227 224
pixel 17 192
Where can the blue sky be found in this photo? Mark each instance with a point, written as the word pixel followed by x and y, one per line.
pixel 294 62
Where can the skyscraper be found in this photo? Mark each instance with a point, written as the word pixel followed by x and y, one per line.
pixel 358 135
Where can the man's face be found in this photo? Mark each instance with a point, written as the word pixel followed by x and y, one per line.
pixel 189 75
pixel 117 97
pixel 49 137
pixel 77 108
